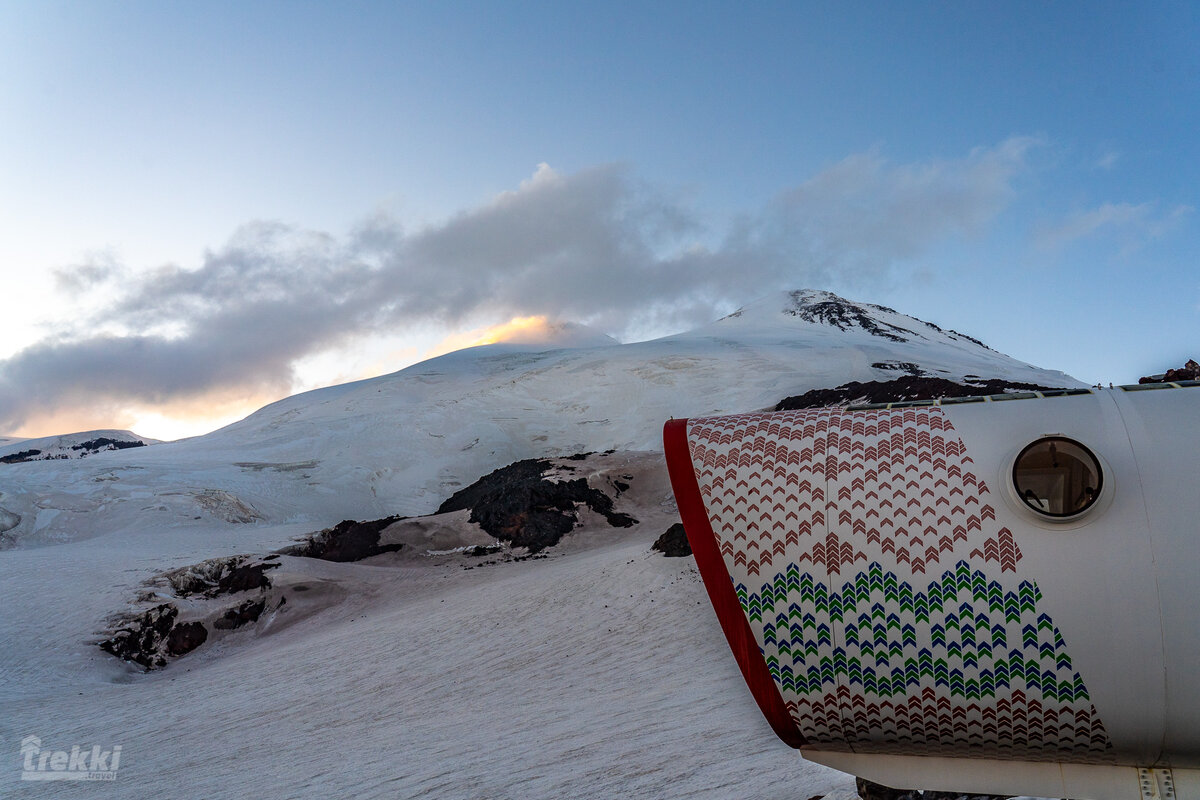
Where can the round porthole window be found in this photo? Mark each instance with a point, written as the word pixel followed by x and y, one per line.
pixel 1057 477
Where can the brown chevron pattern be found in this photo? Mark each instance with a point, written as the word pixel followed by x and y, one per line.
pixel 861 544
pixel 769 478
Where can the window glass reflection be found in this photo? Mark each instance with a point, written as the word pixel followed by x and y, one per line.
pixel 1057 477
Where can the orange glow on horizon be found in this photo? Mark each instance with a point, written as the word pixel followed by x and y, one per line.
pixel 170 421
pixel 179 419
pixel 517 329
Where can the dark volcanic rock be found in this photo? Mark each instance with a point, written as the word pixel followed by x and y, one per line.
pixel 515 474
pixel 104 442
pixel 219 576
pixel 906 388
pixel 674 543
pixel 1189 372
pixel 17 458
pixel 899 366
pixel 154 636
pixel 516 504
pixel 147 639
pixel 141 638
pixel 245 578
pixel 90 447
pixel 347 541
pixel 248 611
pixel 186 637
pixel 843 315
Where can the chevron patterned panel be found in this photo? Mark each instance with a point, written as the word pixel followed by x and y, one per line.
pixel 885 598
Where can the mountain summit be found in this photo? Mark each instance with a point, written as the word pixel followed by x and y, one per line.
pixel 819 307
pixel 402 443
pixel 503 499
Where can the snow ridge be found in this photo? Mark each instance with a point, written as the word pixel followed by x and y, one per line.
pixel 402 443
pixel 69 446
pixel 594 671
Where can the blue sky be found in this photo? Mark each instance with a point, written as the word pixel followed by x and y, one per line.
pixel 1022 172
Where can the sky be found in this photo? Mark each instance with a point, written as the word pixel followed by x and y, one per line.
pixel 208 206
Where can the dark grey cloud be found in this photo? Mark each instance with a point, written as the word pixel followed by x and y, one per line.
pixel 595 246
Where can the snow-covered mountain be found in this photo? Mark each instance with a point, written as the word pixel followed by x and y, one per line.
pixel 402 443
pixel 68 446
pixel 440 669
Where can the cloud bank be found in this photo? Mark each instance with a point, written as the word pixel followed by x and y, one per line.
pixel 596 246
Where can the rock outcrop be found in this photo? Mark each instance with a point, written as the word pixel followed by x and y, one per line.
pixel 523 505
pixel 347 541
pixel 20 457
pixel 105 443
pixel 150 638
pixel 673 543
pixel 909 387
pixel 1188 372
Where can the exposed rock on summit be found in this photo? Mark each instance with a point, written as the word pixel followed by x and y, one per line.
pixel 906 388
pixel 844 315
pixel 826 308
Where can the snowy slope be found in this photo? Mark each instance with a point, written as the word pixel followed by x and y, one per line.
pixel 599 671
pixel 599 674
pixel 402 443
